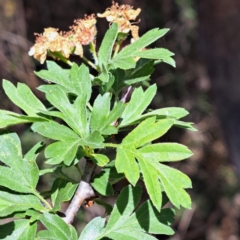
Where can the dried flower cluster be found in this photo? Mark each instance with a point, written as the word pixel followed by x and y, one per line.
pixel 122 15
pixel 83 32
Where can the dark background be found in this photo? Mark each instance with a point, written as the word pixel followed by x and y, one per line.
pixel 205 36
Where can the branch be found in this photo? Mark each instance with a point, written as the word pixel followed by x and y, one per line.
pixel 83 192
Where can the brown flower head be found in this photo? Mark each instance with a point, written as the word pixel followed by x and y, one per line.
pixel 122 15
pixel 84 30
pixel 82 33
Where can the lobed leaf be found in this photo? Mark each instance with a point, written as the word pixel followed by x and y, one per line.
pixel 138 103
pixel 102 118
pixel 23 97
pixel 133 157
pixel 124 223
pixel 20 174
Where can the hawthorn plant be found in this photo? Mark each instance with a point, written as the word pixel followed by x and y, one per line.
pixel 82 129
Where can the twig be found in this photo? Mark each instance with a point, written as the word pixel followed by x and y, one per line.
pixel 83 192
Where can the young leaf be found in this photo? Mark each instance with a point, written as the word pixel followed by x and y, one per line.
pixel 81 81
pixel 105 50
pixel 62 191
pixel 55 74
pixel 148 38
pixel 18 229
pixel 21 175
pixel 138 103
pixel 23 98
pixel 102 117
pixel 124 224
pixel 10 203
pixel 56 226
pixel 76 81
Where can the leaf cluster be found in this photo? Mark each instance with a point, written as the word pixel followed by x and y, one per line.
pixel 81 126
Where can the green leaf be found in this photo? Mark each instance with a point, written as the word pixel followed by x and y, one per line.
pixel 35 215
pixel 185 125
pixel 8 118
pixel 58 152
pixel 102 182
pixel 62 191
pixel 148 157
pixel 55 74
pixel 118 84
pixel 93 229
pixel 76 81
pixel 95 140
pixel 166 152
pixel 23 97
pixel 148 38
pixel 81 81
pixel 75 115
pixel 157 53
pixel 126 163
pixel 10 203
pixel 170 112
pixel 169 61
pixel 100 159
pixel 18 229
pixel 139 136
pixel 150 178
pixel 147 218
pixel 138 103
pixel 173 182
pixel 103 76
pixel 105 50
pixel 142 72
pixel 21 175
pixel 32 154
pixel 102 117
pixel 124 223
pixel 58 228
pixel 54 130
pixel 124 63
pixel 46 235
